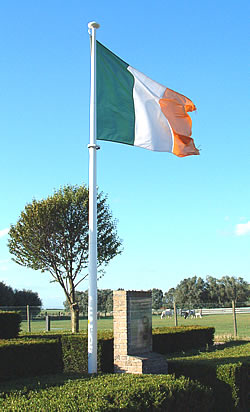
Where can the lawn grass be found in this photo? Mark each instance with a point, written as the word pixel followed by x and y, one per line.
pixel 223 324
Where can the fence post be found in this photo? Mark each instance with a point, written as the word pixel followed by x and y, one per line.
pixel 234 318
pixel 47 323
pixel 175 315
pixel 28 319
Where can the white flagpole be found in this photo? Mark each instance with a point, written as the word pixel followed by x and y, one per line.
pixel 92 298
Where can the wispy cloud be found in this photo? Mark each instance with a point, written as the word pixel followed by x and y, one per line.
pixel 242 229
pixel 4 232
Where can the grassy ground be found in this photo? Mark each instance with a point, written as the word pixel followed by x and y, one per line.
pixel 223 324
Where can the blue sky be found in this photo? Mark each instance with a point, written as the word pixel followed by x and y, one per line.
pixel 177 217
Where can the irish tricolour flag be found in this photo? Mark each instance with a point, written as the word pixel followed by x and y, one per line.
pixel 135 110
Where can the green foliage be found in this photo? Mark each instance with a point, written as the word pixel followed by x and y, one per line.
pixel 9 324
pixel 181 338
pixel 168 298
pixel 75 352
pixel 27 297
pixel 81 298
pixel 10 297
pixel 104 301
pixel 115 392
pixel 234 289
pixel 20 358
pixel 157 298
pixel 196 293
pixel 43 354
pixel 74 348
pixel 226 370
pixel 52 235
pixel 6 295
pixel 191 292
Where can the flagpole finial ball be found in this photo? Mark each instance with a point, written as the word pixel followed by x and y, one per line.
pixel 93 25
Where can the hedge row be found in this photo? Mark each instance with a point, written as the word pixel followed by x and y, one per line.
pixel 226 371
pixel 75 353
pixel 115 392
pixel 9 324
pixel 70 352
pixel 23 358
pixel 181 338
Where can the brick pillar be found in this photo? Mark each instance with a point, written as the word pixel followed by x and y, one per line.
pixel 133 334
pixel 120 326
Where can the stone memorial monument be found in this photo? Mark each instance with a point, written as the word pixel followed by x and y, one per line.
pixel 133 334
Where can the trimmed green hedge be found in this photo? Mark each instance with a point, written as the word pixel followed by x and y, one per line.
pixel 165 341
pixel 9 324
pixel 44 354
pixel 225 370
pixel 113 393
pixel 73 350
pixel 21 358
pixel 181 338
pixel 75 353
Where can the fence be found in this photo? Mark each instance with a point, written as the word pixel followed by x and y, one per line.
pixel 222 311
pixel 26 311
pixel 31 314
pixel 35 319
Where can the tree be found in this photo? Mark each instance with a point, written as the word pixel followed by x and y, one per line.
pixel 234 289
pixel 214 292
pixel 191 292
pixel 82 301
pixel 105 300
pixel 10 297
pixel 26 297
pixel 52 235
pixel 157 298
pixel 7 297
pixel 169 297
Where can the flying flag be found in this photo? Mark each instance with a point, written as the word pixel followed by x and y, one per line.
pixel 133 109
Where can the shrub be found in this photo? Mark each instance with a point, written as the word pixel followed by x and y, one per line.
pixel 226 370
pixel 43 354
pixel 20 358
pixel 116 392
pixel 182 338
pixel 75 352
pixel 9 324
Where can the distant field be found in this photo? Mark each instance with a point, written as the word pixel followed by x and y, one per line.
pixel 223 324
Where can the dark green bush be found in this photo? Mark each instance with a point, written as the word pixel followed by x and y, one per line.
pixel 44 354
pixel 182 338
pixel 9 324
pixel 20 358
pixel 115 392
pixel 75 352
pixel 225 370
pixel 73 349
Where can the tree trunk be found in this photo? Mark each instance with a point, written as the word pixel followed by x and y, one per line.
pixel 74 318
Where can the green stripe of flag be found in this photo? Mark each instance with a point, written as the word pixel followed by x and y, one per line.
pixel 115 104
